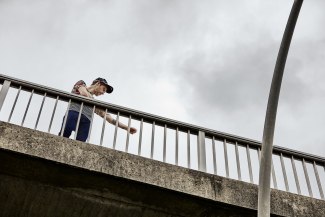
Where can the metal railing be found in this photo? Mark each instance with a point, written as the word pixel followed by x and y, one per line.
pixel 163 139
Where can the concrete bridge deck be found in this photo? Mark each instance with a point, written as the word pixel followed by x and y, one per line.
pixel 46 175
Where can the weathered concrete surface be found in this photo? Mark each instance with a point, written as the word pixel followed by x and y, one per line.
pixel 46 175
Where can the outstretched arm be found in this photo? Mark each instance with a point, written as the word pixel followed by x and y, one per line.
pixel 111 120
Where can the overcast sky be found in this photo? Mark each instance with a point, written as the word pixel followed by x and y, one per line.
pixel 208 63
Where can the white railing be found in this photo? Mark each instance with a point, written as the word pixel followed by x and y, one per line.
pixel 43 108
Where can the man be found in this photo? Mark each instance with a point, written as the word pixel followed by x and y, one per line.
pixel 97 88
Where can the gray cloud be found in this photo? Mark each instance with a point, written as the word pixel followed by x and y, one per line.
pixel 240 77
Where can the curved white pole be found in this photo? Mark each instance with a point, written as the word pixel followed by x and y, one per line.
pixel 268 133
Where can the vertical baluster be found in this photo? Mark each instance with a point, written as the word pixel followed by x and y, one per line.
pixel 65 118
pixel 188 149
pixel 284 173
pixel 273 175
pixel 27 107
pixel 128 135
pixel 115 132
pixel 318 181
pixel 152 140
pixel 40 111
pixel 214 155
pixel 307 177
pixel 14 105
pixel 249 163
pixel 259 160
pixel 201 152
pixel 295 174
pixel 91 123
pixel 237 161
pixel 176 148
pixel 140 137
pixel 103 128
pixel 226 157
pixel 4 91
pixel 53 113
pixel 78 121
pixel 164 148
pixel 198 151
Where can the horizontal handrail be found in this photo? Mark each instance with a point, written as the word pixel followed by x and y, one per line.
pixel 160 121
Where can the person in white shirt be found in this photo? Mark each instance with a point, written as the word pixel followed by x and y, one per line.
pixel 98 87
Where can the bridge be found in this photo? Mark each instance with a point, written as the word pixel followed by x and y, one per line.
pixel 170 168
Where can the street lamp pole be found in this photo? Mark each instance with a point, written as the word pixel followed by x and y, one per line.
pixel 269 124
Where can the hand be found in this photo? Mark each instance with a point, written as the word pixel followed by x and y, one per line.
pixel 133 130
pixel 90 96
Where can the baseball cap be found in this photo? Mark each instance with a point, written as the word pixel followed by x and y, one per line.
pixel 104 82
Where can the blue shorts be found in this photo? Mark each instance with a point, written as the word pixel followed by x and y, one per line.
pixel 71 125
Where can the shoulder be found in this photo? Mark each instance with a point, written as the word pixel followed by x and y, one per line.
pixel 80 83
pixel 77 85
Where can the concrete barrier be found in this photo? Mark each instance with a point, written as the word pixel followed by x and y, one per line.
pixel 47 175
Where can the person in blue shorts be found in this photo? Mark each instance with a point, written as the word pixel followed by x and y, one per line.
pixel 98 87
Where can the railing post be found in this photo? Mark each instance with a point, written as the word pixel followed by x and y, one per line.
pixel 201 152
pixel 4 91
pixel 269 124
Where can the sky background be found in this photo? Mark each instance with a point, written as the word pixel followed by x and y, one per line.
pixel 207 63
